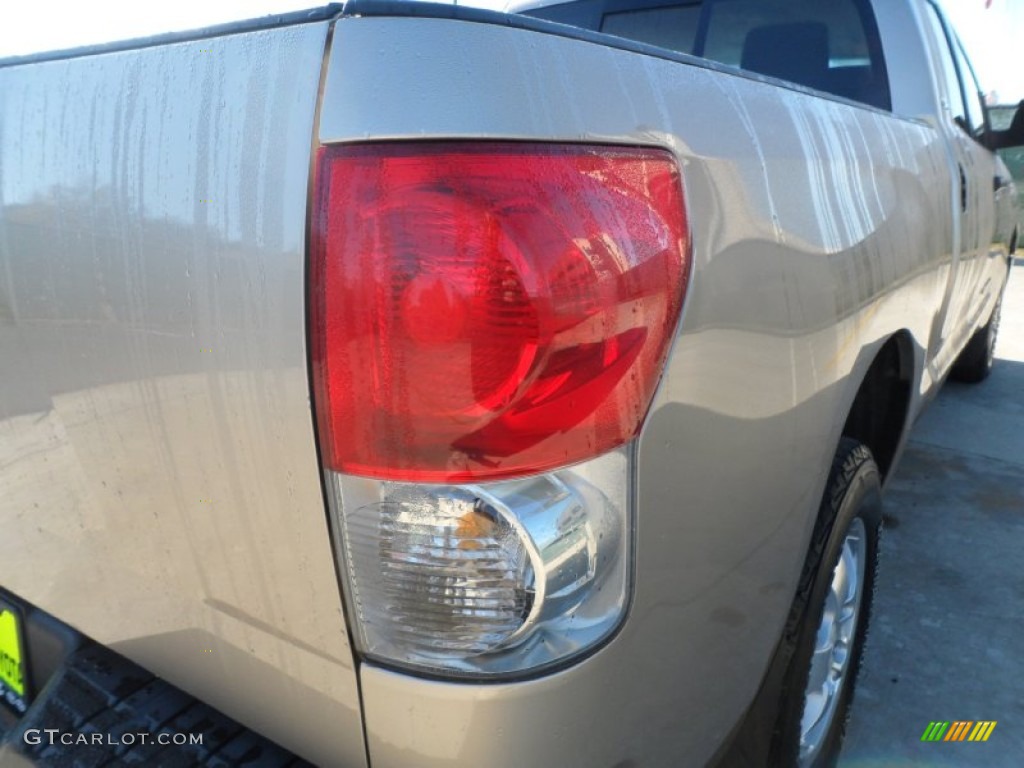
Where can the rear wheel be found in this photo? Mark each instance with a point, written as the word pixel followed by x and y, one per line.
pixel 824 638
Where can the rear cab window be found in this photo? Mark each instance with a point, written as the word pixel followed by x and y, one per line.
pixel 828 45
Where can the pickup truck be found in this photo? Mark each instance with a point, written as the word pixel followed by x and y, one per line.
pixel 405 385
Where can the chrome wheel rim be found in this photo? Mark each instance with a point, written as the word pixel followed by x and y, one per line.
pixel 833 647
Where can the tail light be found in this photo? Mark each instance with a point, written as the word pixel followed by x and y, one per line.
pixel 489 324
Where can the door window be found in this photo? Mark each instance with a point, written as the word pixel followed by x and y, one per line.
pixel 972 94
pixel 949 79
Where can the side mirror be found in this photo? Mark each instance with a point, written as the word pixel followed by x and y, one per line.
pixel 1012 136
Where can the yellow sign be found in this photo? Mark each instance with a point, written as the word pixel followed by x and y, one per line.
pixel 11 672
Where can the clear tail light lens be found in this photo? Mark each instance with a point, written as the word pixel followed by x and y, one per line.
pixel 489 324
pixel 493 578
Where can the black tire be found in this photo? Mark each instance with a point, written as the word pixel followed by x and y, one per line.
pixel 853 492
pixel 976 360
pixel 769 734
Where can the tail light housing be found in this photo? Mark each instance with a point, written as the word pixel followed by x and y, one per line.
pixel 489 324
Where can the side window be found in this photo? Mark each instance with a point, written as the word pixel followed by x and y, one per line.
pixel 950 80
pixel 971 93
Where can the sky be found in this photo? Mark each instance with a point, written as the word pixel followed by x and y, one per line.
pixel 991 30
pixel 994 39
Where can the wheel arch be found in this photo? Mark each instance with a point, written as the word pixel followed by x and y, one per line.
pixel 878 415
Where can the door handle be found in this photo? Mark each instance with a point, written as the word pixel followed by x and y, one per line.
pixel 963 189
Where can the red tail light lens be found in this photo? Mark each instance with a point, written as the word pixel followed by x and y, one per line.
pixel 485 310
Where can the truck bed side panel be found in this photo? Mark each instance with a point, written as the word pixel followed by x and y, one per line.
pixel 158 472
